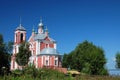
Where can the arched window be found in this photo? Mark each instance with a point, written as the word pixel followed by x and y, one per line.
pixel 21 37
pixel 46 62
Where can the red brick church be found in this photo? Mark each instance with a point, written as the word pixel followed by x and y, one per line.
pixel 43 48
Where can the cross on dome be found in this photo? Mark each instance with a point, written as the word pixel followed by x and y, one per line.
pixel 40 24
pixel 20 27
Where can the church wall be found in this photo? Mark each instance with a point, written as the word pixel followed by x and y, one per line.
pixel 43 60
pixel 51 45
pixel 52 60
pixel 42 46
pixel 39 62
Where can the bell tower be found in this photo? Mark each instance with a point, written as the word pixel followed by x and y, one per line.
pixel 20 35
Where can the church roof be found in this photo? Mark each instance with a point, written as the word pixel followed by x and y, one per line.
pixel 47 42
pixel 52 39
pixel 43 36
pixel 49 51
pixel 20 27
pixel 40 36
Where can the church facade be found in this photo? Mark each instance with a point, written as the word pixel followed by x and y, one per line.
pixel 43 48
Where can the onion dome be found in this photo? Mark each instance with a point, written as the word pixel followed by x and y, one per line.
pixel 40 24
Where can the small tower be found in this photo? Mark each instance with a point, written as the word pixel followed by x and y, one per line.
pixel 33 31
pixel 40 27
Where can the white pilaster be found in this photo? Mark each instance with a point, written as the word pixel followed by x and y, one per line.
pixel 15 37
pixel 42 60
pixel 36 47
pixel 16 65
pixel 36 62
pixel 55 46
pixel 17 48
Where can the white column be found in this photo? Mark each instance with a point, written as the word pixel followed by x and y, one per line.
pixel 48 60
pixel 15 65
pixel 15 38
pixel 17 48
pixel 13 49
pixel 42 60
pixel 55 46
pixel 36 47
pixel 11 67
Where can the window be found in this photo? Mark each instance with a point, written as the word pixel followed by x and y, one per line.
pixel 55 62
pixel 46 45
pixel 21 37
pixel 46 62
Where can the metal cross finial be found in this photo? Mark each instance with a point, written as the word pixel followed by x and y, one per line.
pixel 40 19
pixel 20 20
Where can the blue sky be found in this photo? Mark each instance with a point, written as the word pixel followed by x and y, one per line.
pixel 69 22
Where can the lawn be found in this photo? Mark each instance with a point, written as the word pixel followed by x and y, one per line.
pixel 32 73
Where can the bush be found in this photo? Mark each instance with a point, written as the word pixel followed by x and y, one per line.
pixel 31 73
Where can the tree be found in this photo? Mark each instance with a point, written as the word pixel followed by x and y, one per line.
pixel 4 62
pixel 9 48
pixel 64 61
pixel 22 57
pixel 87 58
pixel 118 60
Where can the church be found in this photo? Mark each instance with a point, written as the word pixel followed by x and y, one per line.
pixel 43 48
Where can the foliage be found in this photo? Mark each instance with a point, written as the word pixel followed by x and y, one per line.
pixel 64 61
pixel 118 60
pixel 31 73
pixel 9 47
pixel 23 55
pixel 87 58
pixel 4 57
pixel 49 74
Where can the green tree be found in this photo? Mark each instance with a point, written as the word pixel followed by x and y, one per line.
pixel 23 55
pixel 118 60
pixel 4 62
pixel 64 61
pixel 87 58
pixel 9 48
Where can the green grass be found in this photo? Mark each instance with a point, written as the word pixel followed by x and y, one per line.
pixel 85 77
pixel 31 73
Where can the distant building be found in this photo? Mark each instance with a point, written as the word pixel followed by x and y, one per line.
pixel 43 48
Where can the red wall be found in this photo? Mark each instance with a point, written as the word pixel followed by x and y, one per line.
pixel 42 46
pixel 39 62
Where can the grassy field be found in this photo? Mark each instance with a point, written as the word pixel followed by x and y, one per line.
pixel 48 74
pixel 60 78
pixel 97 78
